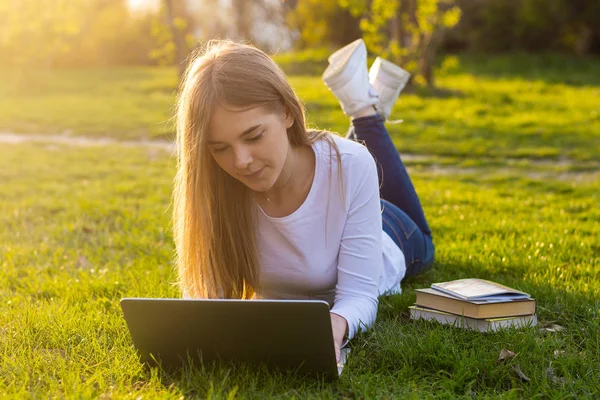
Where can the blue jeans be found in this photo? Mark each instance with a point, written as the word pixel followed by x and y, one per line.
pixel 402 214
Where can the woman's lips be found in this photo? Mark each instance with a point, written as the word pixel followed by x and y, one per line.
pixel 254 175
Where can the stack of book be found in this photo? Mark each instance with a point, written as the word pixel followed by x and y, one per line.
pixel 475 304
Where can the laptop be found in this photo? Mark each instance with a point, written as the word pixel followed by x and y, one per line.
pixel 291 335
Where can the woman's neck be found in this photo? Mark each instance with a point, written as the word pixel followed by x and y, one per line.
pixel 295 179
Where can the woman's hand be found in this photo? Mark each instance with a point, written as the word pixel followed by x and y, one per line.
pixel 339 325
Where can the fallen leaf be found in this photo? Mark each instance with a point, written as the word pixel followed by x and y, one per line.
pixel 520 373
pixel 552 376
pixel 558 353
pixel 552 328
pixel 54 353
pixel 555 328
pixel 82 262
pixel 506 355
pixel 559 380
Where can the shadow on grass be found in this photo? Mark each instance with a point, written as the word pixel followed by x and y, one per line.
pixel 435 92
pixel 226 379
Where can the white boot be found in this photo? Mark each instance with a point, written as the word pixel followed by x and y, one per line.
pixel 344 51
pixel 388 80
pixel 347 77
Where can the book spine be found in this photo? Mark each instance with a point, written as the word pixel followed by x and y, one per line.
pixel 468 309
pixel 482 325
pixel 453 306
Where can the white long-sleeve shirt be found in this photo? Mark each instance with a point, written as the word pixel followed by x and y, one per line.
pixel 333 247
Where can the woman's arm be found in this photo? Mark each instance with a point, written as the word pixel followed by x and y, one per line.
pixel 360 253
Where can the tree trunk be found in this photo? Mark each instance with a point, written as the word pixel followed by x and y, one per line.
pixel 244 18
pixel 177 38
pixel 428 52
pixel 584 40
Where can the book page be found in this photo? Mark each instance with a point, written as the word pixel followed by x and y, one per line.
pixel 479 289
pixel 343 357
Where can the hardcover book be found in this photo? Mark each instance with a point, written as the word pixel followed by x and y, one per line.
pixel 431 298
pixel 483 325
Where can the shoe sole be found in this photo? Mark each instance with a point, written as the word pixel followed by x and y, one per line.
pixel 401 76
pixel 333 75
pixel 338 53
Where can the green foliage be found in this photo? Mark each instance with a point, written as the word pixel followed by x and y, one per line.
pixel 84 33
pixel 320 23
pixel 451 17
pixel 30 37
pixel 71 33
pixel 536 25
pixel 379 14
pixel 111 37
pixel 164 51
pixel 406 31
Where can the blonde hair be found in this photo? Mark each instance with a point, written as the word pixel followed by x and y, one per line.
pixel 214 218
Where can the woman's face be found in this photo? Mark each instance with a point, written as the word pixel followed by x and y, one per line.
pixel 251 145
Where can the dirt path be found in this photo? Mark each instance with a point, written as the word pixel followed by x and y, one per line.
pixel 13 138
pixel 536 169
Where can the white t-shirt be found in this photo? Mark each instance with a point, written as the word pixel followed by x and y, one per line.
pixel 333 247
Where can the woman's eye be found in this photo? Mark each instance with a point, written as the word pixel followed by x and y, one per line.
pixel 255 138
pixel 219 149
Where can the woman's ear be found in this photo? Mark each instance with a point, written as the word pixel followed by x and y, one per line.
pixel 289 118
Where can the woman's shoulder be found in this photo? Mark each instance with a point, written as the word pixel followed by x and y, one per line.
pixel 349 151
pixel 349 160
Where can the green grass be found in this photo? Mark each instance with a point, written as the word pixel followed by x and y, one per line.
pixel 82 227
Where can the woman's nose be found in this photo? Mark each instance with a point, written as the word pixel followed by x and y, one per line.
pixel 243 158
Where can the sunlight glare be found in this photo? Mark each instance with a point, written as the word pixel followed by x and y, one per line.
pixel 143 4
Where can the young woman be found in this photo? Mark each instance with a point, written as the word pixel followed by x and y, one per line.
pixel 266 208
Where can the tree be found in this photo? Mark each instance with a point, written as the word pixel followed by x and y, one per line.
pixel 176 25
pixel 260 21
pixel 71 33
pixel 29 37
pixel 182 24
pixel 406 31
pixel 322 23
